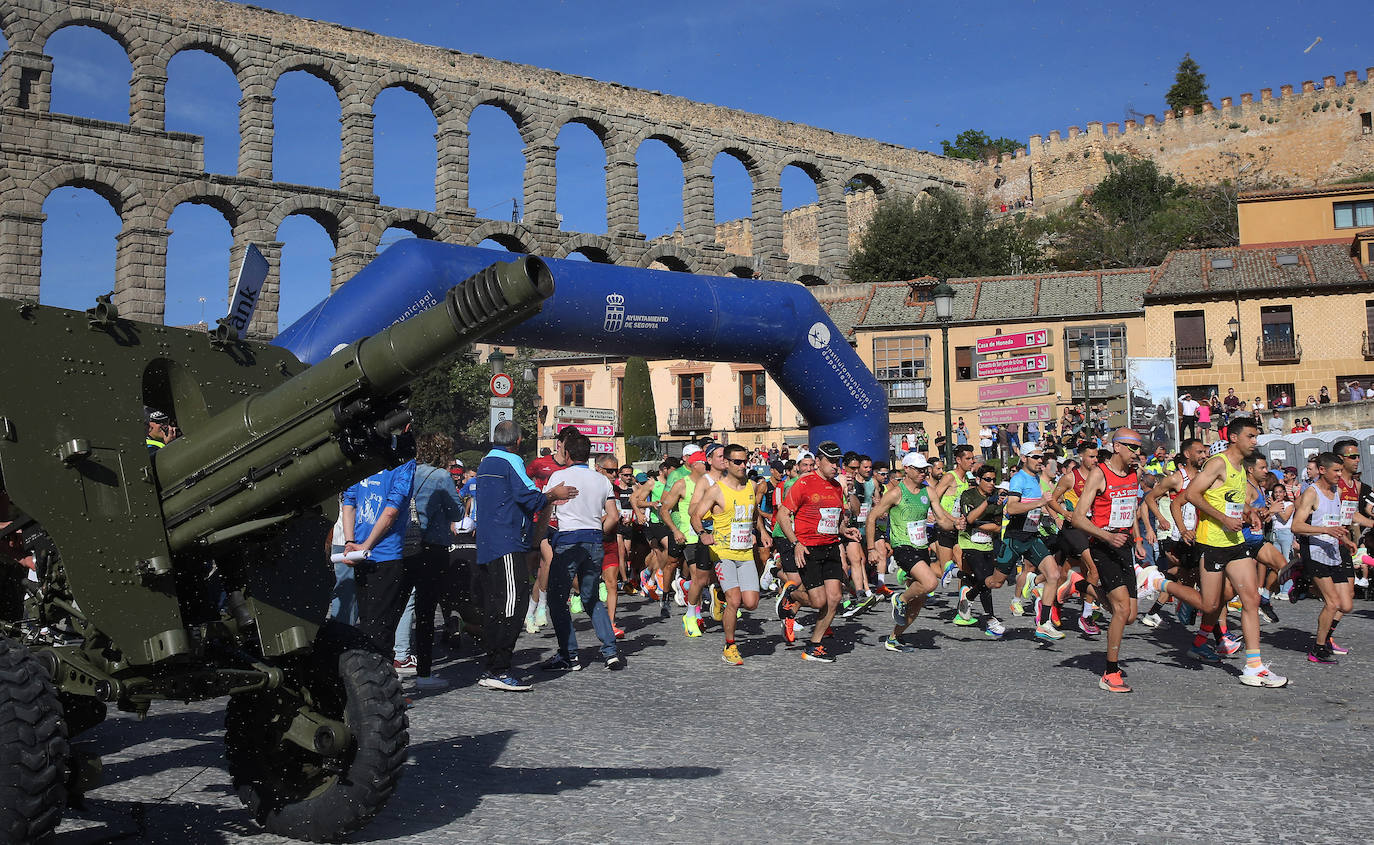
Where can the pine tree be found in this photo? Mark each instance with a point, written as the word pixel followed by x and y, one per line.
pixel 640 421
pixel 1190 87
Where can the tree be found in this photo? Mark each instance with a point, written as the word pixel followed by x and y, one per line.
pixel 975 144
pixel 1190 87
pixel 639 421
pixel 455 399
pixel 940 234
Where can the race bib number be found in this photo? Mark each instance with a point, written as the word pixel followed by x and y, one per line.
pixel 829 523
pixel 1234 510
pixel 1122 513
pixel 1189 516
pixel 1032 519
pixel 741 535
pixel 624 514
pixel 1331 520
pixel 980 537
pixel 1348 507
pixel 916 533
pixel 863 512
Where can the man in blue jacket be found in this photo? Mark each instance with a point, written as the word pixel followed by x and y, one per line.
pixel 506 499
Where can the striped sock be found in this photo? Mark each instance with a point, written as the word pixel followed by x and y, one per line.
pixel 1252 660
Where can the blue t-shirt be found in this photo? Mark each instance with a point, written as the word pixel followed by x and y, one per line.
pixel 1027 486
pixel 1253 537
pixel 469 492
pixel 389 488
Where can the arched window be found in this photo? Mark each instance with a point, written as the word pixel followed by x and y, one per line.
pixel 197 266
pixel 496 165
pixel 306 256
pixel 202 97
pixel 404 154
pixel 78 248
pixel 90 74
pixel 581 172
pixel 305 131
pixel 660 188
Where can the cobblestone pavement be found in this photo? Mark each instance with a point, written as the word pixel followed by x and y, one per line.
pixel 964 740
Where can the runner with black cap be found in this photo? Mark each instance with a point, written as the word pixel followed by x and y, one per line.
pixel 810 517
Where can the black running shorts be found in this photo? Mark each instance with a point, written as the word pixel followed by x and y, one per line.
pixel 1115 565
pixel 1072 541
pixel 908 556
pixel 1215 558
pixel 822 564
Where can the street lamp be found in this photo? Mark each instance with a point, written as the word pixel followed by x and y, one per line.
pixel 497 359
pixel 943 294
pixel 1086 347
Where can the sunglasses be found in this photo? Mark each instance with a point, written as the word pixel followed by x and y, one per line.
pixel 1134 447
pixel 989 479
pixel 1352 456
pixel 739 462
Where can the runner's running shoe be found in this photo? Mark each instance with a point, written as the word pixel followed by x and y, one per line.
pixel 731 655
pixel 1087 627
pixel 817 653
pixel 717 604
pixel 680 592
pixel 995 629
pixel 1335 648
pixel 789 630
pixel 898 610
pixel 894 644
pixel 690 626
pixel 1017 608
pixel 541 615
pixel 1204 652
pixel 1267 611
pixel 1321 654
pixel 1048 631
pixel 1185 614
pixel 1229 645
pixel 619 632
pixel 1262 677
pixel 1113 682
pixel 1151 620
pixel 779 606
pixel 575 605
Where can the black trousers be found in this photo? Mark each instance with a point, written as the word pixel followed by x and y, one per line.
pixel 425 573
pixel 505 585
pixel 383 590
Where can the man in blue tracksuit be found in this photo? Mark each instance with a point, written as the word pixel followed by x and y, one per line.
pixel 506 499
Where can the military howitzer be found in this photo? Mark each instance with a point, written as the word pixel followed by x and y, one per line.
pixel 196 570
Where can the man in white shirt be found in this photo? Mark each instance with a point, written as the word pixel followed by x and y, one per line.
pixel 1275 423
pixel 1187 417
pixel 583 524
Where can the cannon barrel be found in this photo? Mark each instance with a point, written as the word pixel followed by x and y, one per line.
pixel 306 439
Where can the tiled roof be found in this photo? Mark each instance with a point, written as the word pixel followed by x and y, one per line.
pixel 1191 273
pixel 994 298
pixel 1311 190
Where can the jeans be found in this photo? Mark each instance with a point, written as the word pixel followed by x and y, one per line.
pixel 581 561
pixel 344 605
pixel 1283 541
pixel 403 628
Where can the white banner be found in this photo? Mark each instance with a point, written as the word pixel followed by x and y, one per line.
pixel 1152 401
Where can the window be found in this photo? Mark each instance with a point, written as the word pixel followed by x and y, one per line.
pixel 691 390
pixel 572 393
pixel 1105 368
pixel 902 364
pixel 1366 123
pixel 1369 317
pixel 1354 214
pixel 1274 392
pixel 753 400
pixel 1340 391
pixel 620 397
pixel 1277 340
pixel 964 359
pixel 1190 339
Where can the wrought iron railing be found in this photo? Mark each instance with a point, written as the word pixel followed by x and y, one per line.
pixel 689 419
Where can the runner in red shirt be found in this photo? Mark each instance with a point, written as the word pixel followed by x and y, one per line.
pixel 539 471
pixel 811 518
pixel 1107 511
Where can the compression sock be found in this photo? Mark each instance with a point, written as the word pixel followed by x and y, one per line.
pixel 1204 632
pixel 1088 608
pixel 986 597
pixel 1112 667
pixel 1221 629
pixel 1332 630
pixel 1252 660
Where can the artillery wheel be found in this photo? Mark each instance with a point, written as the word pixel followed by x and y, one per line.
pixel 296 793
pixel 33 748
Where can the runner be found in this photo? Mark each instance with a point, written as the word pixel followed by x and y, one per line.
pixel 1073 547
pixel 906 505
pixel 731 504
pixel 539 471
pixel 613 548
pixel 1179 550
pixel 703 567
pixel 980 507
pixel 645 501
pixel 1106 511
pixel 944 504
pixel 1352 510
pixel 1317 522
pixel 1218 493
pixel 787 560
pixel 810 518
pixel 683 543
pixel 859 486
pixel 1021 537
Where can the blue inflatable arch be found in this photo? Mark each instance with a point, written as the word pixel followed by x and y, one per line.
pixel 615 310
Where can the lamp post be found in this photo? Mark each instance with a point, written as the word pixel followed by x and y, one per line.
pixel 497 359
pixel 1086 347
pixel 943 294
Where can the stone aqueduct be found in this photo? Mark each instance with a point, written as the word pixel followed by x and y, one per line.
pixel 145 172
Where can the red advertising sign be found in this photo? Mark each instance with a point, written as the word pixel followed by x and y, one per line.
pixel 1015 414
pixel 1011 342
pixel 590 429
pixel 1042 386
pixel 1014 366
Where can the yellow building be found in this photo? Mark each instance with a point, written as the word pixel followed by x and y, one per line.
pixel 1263 320
pixel 1332 213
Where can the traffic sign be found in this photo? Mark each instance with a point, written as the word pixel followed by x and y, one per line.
pixel 574 412
pixel 1013 366
pixel 1015 414
pixel 1010 342
pixel 590 429
pixel 503 401
pixel 502 385
pixel 603 447
pixel 499 415
pixel 1042 386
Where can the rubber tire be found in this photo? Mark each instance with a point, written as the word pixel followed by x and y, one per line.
pixel 354 682
pixel 33 748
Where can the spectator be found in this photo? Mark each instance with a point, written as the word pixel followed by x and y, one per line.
pixel 1290 483
pixel 343 604
pixel 985 441
pixel 1311 400
pixel 1324 396
pixel 1356 392
pixel 940 443
pixel 1283 401
pixel 1307 424
pixel 1257 407
pixel 376 512
pixel 506 499
pixel 1275 423
pixel 436 507
pixel 1187 416
pixel 1281 519
pixel 1232 401
pixel 961 433
pixel 1204 419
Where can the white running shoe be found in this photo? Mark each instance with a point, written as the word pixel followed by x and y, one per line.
pixel 679 595
pixel 1262 677
pixel 1047 631
pixel 995 627
pixel 1151 620
pixel 530 626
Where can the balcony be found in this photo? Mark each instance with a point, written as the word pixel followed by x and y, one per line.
pixel 907 393
pixel 801 421
pixel 689 419
pixel 1192 356
pixel 753 417
pixel 1278 350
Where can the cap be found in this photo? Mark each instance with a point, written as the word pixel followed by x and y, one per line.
pixel 458 461
pixel 712 448
pixel 1028 449
pixel 915 459
pixel 688 451
pixel 803 455
pixel 1005 485
pixel 152 415
pixel 830 450
pixel 778 465
pixel 641 477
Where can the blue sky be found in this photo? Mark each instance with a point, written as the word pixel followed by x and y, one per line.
pixel 908 73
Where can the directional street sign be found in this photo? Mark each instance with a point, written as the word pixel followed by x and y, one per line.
pixel 1011 342
pixel 1042 386
pixel 603 447
pixel 1022 365
pixel 574 412
pixel 1015 414
pixel 590 429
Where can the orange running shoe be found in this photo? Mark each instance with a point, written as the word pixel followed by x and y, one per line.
pixel 1113 682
